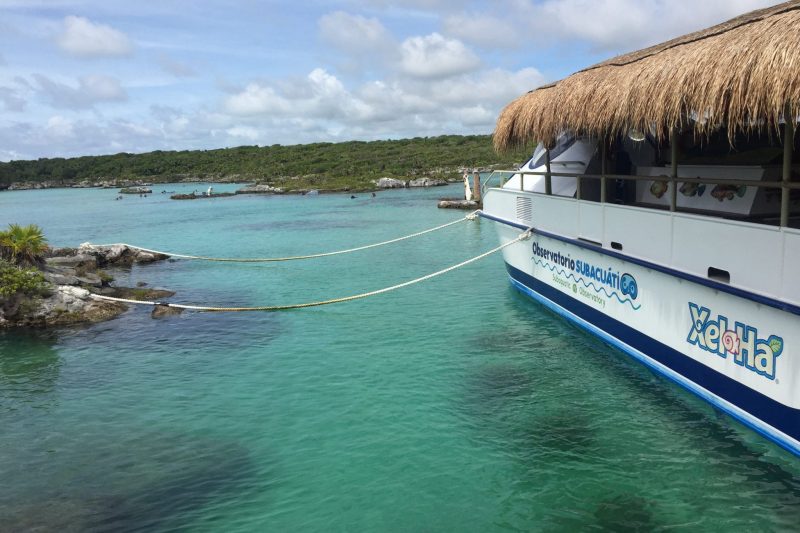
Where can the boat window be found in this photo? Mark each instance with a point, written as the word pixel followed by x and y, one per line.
pixel 746 150
pixel 563 143
pixel 717 274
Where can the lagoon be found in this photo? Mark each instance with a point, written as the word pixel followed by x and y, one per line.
pixel 455 404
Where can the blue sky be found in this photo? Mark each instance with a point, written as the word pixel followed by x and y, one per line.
pixel 81 77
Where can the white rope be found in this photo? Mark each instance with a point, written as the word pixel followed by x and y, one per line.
pixel 521 237
pixel 470 216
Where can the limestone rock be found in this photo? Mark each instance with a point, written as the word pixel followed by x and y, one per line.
pixel 119 254
pixel 75 261
pixel 259 188
pixel 458 204
pixel 390 183
pixel 67 276
pixel 65 305
pixel 61 252
pixel 427 182
pixel 62 277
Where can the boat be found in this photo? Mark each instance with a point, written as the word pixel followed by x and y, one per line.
pixel 662 211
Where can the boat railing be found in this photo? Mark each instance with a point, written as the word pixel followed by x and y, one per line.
pixel 494 176
pixel 674 181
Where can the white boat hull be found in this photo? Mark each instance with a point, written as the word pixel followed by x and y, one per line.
pixel 736 353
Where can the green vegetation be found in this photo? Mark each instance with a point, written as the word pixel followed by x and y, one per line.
pixel 327 166
pixel 16 281
pixel 23 245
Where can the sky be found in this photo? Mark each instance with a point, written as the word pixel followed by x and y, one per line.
pixel 87 77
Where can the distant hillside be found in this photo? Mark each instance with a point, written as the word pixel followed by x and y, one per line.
pixel 352 164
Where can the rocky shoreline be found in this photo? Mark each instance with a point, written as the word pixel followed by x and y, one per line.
pixel 382 183
pixel 72 276
pixel 130 183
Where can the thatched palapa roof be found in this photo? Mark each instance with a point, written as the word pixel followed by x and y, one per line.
pixel 739 74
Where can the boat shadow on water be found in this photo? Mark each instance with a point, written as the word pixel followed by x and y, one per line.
pixel 528 402
pixel 140 484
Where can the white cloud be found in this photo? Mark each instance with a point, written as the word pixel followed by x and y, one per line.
pixel 256 99
pixel 354 33
pixel 624 24
pixel 494 87
pixel 483 30
pixel 59 127
pixel 91 90
pixel 84 38
pixel 319 94
pixel 476 116
pixel 378 108
pixel 434 56
pixel 11 99
pixel 248 133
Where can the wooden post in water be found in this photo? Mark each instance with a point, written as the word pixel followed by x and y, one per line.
pixel 673 189
pixel 788 150
pixel 603 170
pixel 548 181
pixel 476 186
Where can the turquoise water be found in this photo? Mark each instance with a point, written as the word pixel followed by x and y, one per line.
pixel 452 405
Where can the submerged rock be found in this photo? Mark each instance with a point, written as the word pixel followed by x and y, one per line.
pixel 160 311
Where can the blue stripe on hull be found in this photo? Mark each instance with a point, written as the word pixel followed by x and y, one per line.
pixel 716 285
pixel 761 413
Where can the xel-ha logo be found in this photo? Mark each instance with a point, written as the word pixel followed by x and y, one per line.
pixel 742 342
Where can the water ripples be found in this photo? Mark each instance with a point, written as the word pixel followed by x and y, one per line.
pixel 453 405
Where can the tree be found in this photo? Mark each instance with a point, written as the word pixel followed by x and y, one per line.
pixel 23 245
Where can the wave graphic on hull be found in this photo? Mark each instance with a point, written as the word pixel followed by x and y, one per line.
pixel 588 284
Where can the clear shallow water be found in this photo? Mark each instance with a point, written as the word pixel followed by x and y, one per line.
pixel 455 404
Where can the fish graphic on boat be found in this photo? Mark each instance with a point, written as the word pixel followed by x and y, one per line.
pixel 658 188
pixel 728 192
pixel 692 189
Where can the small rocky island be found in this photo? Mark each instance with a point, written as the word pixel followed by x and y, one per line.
pixel 47 287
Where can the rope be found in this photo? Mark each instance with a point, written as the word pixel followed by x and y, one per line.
pixel 470 216
pixel 523 236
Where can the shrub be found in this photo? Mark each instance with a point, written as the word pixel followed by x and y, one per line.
pixel 23 245
pixel 20 281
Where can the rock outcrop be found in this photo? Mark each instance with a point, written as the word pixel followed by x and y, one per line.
pixel 259 188
pixel 160 311
pixel 390 183
pixel 71 275
pixel 118 255
pixel 65 305
pixel 458 204
pixel 427 182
